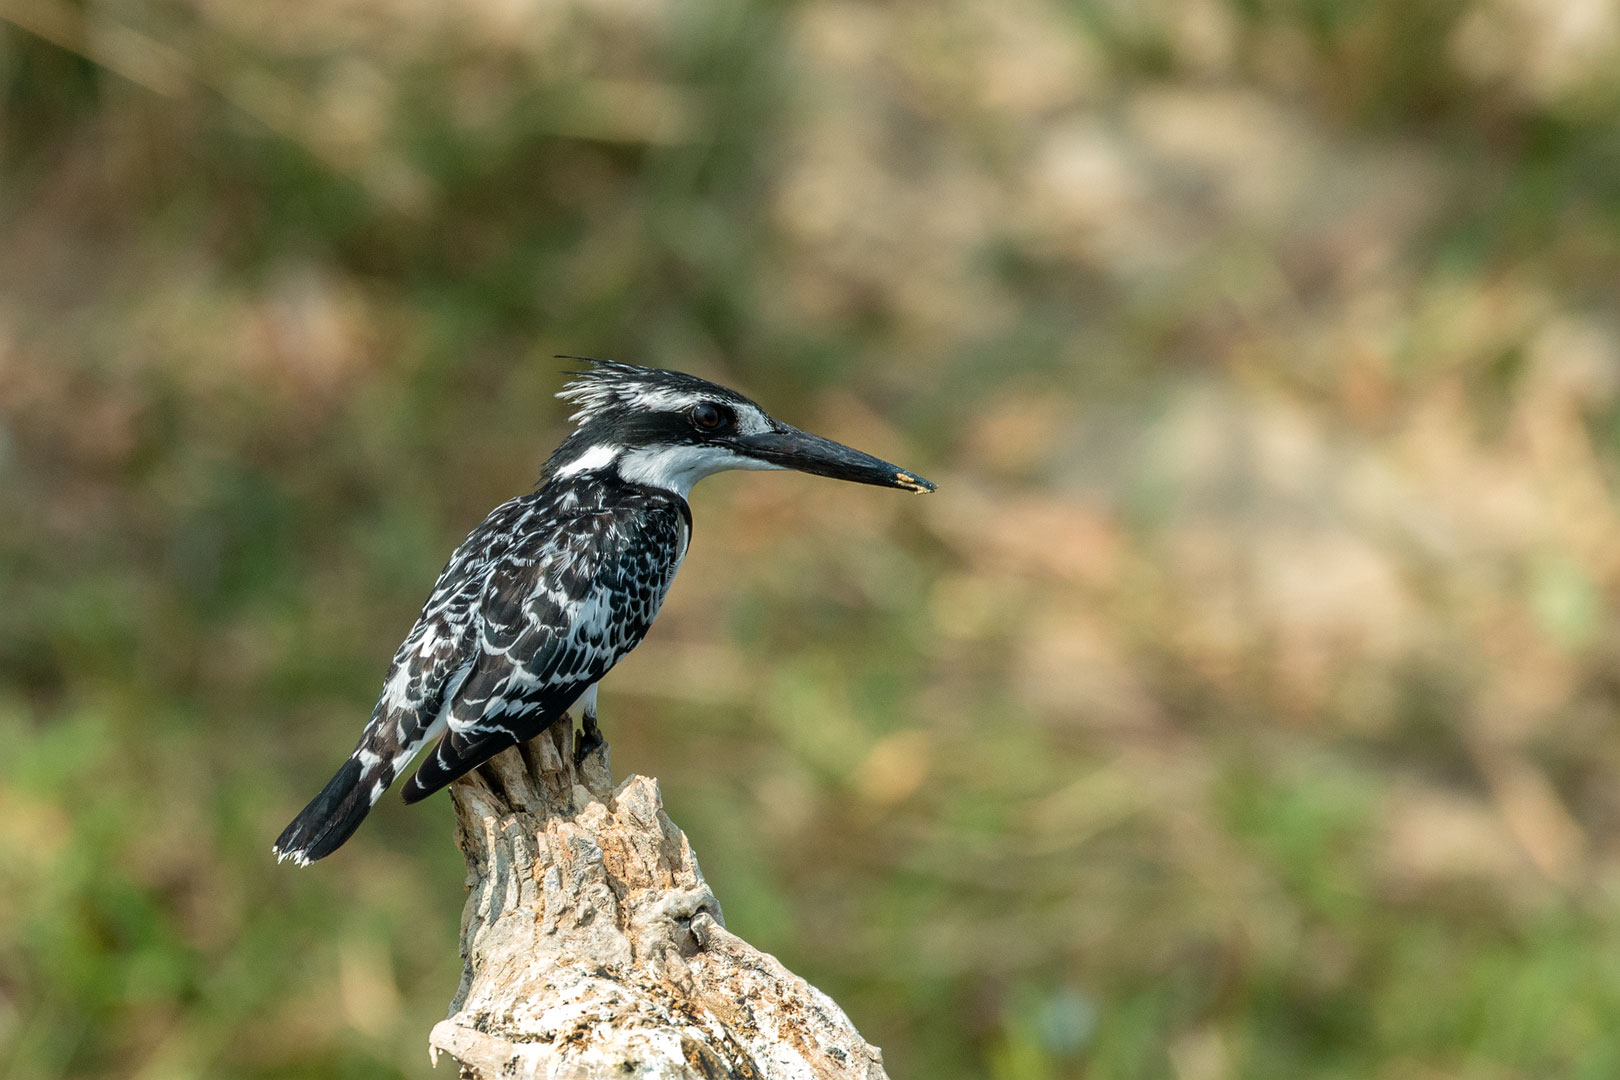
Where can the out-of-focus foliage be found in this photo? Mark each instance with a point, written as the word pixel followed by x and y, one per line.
pixel 1244 705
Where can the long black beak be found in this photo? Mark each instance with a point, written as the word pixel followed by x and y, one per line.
pixel 791 448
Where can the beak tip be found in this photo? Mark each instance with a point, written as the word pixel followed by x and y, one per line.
pixel 914 483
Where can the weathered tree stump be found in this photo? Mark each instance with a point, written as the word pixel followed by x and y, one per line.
pixel 594 948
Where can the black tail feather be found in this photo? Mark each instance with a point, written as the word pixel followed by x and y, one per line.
pixel 330 818
pixel 453 757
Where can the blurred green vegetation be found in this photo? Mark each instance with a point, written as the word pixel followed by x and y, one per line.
pixel 1245 704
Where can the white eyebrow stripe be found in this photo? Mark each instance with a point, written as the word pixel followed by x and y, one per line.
pixel 596 457
pixel 666 400
pixel 751 420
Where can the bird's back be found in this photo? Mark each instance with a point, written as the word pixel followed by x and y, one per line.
pixel 549 592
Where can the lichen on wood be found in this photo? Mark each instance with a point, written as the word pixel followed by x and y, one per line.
pixel 594 948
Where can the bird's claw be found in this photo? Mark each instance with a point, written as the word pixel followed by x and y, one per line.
pixel 590 740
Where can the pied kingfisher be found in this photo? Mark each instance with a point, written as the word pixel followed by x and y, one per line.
pixel 556 586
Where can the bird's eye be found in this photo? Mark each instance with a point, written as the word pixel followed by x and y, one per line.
pixel 707 416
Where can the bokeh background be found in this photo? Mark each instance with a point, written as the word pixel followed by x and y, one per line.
pixel 1246 704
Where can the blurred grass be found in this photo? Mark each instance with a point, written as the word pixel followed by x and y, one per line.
pixel 1243 706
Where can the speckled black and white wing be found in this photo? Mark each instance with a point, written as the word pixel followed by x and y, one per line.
pixel 546 595
pixel 552 622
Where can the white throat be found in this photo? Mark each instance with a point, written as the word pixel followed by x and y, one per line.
pixel 677 468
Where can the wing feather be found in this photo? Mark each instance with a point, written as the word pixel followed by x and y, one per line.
pixel 552 624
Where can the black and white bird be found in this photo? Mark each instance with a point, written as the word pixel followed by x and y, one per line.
pixel 556 586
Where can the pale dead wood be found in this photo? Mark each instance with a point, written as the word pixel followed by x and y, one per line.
pixel 594 948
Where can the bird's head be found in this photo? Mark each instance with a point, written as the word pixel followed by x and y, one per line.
pixel 667 429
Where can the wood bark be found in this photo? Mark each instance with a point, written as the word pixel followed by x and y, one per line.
pixel 594 948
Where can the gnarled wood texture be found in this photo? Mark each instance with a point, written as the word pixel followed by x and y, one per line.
pixel 594 948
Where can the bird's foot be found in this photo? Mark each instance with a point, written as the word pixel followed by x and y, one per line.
pixel 590 740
